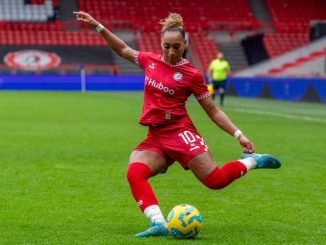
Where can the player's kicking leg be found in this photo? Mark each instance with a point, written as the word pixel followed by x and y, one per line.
pixel 205 169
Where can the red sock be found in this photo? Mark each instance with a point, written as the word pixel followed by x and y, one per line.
pixel 224 176
pixel 137 175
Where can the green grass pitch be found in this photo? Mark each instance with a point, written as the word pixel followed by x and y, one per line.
pixel 63 157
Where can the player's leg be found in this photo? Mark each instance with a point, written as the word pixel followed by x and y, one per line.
pixel 142 166
pixel 204 168
pixel 215 89
pixel 222 89
pixel 222 95
pixel 190 150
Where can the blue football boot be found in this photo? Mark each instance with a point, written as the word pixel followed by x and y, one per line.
pixel 155 229
pixel 263 160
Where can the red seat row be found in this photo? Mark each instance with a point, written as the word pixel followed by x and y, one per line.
pixel 280 43
pixel 41 2
pixel 143 12
pixel 33 26
pixel 50 38
pixel 205 48
pixel 295 15
pixel 291 20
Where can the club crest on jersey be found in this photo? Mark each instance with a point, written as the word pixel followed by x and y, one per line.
pixel 177 76
pixel 152 66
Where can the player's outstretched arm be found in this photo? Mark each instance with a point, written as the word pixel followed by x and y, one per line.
pixel 225 123
pixel 118 45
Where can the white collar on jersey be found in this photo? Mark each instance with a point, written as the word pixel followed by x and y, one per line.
pixel 181 62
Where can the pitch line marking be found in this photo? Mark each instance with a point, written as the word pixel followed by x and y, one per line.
pixel 304 118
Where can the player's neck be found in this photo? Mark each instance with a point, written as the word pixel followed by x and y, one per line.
pixel 179 62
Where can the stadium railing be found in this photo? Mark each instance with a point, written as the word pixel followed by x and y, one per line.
pixel 64 69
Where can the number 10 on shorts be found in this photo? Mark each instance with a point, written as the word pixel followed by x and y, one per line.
pixel 193 140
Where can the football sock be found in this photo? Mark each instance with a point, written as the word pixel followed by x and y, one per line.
pixel 154 214
pixel 249 162
pixel 137 175
pixel 221 177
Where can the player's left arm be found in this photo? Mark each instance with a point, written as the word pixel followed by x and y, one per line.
pixel 117 44
pixel 225 123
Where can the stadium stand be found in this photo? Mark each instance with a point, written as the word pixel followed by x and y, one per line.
pixel 149 41
pixel 49 23
pixel 298 62
pixel 199 16
pixel 291 20
pixel 19 31
pixel 279 43
pixel 306 61
pixel 205 49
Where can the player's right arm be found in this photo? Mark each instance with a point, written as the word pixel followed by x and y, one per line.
pixel 118 45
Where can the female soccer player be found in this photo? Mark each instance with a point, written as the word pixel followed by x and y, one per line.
pixel 169 81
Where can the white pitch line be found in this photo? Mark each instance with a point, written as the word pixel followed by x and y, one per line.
pixel 276 114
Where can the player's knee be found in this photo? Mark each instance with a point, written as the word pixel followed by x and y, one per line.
pixel 216 185
pixel 215 180
pixel 137 172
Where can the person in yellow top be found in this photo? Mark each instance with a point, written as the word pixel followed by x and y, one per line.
pixel 217 73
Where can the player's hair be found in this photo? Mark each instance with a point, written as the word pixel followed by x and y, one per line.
pixel 173 22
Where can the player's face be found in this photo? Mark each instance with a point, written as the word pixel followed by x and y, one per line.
pixel 173 46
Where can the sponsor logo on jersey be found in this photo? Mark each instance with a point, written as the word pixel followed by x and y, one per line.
pixel 32 60
pixel 158 85
pixel 177 76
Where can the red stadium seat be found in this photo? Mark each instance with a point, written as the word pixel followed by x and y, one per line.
pixel 291 21
pixel 196 14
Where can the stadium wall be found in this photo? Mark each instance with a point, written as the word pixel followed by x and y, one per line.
pixel 290 89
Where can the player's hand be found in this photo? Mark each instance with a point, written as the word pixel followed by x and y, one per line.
pixel 86 18
pixel 247 145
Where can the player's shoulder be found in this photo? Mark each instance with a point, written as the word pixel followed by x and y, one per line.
pixel 144 57
pixel 188 65
pixel 189 68
pixel 193 73
pixel 151 55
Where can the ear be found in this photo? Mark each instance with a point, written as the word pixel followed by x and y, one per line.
pixel 185 41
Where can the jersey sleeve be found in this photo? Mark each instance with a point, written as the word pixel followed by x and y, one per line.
pixel 199 87
pixel 141 58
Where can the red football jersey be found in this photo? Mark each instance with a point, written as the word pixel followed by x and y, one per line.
pixel 167 88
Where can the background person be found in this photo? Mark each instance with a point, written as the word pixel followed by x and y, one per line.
pixel 169 81
pixel 217 73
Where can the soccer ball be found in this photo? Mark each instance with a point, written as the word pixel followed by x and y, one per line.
pixel 184 221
